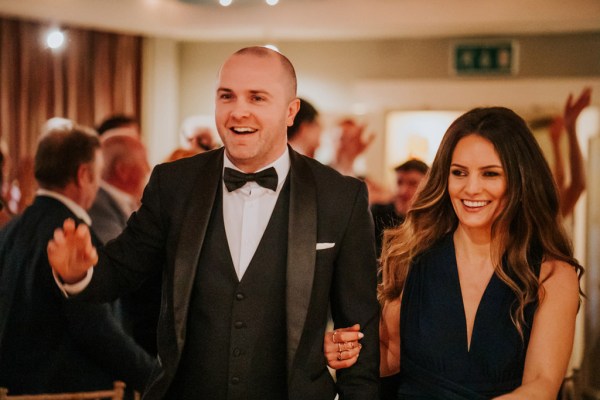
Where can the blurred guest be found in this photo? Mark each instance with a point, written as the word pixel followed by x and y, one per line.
pixel 180 153
pixel 569 194
pixel 352 143
pixel 124 176
pixel 5 214
pixel 119 124
pixel 408 177
pixel 305 134
pixel 199 134
pixel 201 139
pixel 49 344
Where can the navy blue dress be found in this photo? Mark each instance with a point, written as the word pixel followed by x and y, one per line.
pixel 435 360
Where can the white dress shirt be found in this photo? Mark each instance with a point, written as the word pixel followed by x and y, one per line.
pixel 246 213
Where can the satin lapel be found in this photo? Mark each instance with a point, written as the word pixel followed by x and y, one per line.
pixel 193 231
pixel 302 239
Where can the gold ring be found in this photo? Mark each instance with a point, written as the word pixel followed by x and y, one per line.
pixel 333 336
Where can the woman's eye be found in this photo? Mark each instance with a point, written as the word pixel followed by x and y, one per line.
pixel 491 173
pixel 458 172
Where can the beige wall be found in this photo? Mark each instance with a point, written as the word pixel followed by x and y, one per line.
pixel 346 77
pixel 328 71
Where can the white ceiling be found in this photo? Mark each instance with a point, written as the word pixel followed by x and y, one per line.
pixel 316 19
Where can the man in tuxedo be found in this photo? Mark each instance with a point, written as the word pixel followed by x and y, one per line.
pixel 255 243
pixel 47 343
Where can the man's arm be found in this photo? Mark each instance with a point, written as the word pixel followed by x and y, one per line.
pixel 354 300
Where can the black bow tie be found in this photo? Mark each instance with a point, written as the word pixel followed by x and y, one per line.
pixel 235 179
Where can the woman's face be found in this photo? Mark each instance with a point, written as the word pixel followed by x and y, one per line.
pixel 476 183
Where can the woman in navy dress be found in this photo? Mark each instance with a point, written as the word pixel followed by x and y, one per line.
pixel 480 288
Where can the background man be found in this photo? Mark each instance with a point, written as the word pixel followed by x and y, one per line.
pixel 305 134
pixel 124 176
pixel 49 344
pixel 408 177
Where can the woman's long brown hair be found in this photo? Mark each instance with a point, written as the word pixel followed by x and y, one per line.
pixel 531 218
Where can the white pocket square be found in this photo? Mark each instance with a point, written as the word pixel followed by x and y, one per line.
pixel 322 246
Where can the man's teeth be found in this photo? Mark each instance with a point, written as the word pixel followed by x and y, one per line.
pixel 474 203
pixel 244 130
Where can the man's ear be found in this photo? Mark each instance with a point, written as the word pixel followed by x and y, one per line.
pixel 83 174
pixel 293 109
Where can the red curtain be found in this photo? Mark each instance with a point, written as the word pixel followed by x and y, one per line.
pixel 94 74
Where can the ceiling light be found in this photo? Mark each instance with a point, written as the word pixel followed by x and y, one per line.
pixel 225 3
pixel 272 2
pixel 55 39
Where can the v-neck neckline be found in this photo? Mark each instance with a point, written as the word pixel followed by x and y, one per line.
pixel 468 344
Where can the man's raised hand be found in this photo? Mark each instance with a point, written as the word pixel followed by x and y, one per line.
pixel 71 252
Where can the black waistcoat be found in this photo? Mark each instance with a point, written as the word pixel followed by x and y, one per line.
pixel 236 330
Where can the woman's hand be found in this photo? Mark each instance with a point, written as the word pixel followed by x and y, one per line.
pixel 341 347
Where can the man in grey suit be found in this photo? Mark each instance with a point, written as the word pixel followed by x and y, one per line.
pixel 255 243
pixel 124 176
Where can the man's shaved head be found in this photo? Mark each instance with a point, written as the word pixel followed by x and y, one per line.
pixel 261 51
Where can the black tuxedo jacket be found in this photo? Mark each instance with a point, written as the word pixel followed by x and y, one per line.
pixel 331 261
pixel 47 343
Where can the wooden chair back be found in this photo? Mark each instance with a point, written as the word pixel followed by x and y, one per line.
pixel 115 394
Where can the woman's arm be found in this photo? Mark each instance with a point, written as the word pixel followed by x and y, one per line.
pixel 389 339
pixel 347 339
pixel 551 342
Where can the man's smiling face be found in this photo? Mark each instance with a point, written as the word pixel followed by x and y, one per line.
pixel 254 105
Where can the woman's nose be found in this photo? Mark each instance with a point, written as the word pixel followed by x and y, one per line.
pixel 473 184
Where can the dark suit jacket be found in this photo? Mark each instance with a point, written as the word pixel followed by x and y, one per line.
pixel 168 231
pixel 49 344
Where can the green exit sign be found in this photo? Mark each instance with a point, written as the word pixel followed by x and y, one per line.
pixel 488 58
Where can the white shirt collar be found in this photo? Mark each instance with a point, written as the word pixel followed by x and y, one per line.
pixel 70 204
pixel 282 166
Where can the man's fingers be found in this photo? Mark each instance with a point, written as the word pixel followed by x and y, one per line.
pixel 58 237
pixel 69 226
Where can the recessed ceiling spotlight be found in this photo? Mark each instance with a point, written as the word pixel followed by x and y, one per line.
pixel 225 3
pixel 55 39
pixel 272 2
